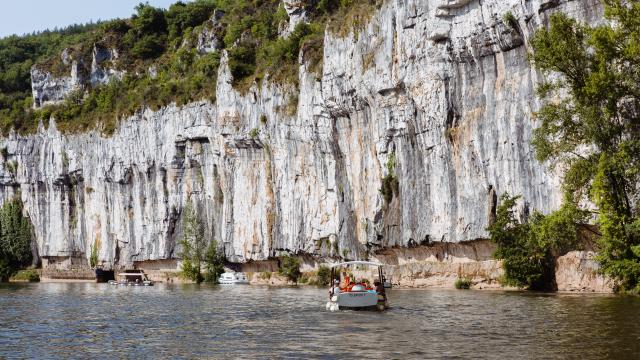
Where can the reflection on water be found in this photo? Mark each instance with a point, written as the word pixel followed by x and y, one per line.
pixel 89 320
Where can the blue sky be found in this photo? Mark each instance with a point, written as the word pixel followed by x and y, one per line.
pixel 25 16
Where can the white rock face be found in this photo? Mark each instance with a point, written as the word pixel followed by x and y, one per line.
pixel 297 14
pixel 48 89
pixel 101 74
pixel 208 38
pixel 444 86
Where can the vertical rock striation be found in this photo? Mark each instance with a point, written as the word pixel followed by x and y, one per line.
pixel 434 98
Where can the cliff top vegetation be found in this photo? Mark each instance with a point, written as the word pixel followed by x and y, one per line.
pixel 158 57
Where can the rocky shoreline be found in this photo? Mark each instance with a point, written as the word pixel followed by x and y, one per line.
pixel 437 266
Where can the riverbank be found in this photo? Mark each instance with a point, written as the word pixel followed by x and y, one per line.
pixel 435 266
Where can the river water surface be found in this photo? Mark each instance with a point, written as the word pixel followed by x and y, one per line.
pixel 86 320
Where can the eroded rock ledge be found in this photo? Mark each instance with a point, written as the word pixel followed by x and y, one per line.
pixel 441 264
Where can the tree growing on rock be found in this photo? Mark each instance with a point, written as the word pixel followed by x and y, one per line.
pixel 591 125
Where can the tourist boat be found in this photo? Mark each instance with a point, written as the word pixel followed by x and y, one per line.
pixel 356 296
pixel 233 278
pixel 132 278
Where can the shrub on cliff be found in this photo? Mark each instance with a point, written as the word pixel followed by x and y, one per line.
pixel 242 61
pixel 148 46
pixel 290 268
pixel 147 36
pixel 390 184
pixel 589 125
pixel 183 16
pixel 15 239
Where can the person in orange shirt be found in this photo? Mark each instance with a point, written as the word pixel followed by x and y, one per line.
pixel 346 280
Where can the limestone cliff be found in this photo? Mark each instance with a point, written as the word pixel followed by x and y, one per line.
pixel 436 97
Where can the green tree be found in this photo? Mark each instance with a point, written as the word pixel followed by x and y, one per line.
pixel 525 263
pixel 182 16
pixel 242 60
pixel 148 46
pixel 93 258
pixel 290 268
pixel 193 244
pixel 529 249
pixel 324 275
pixel 591 125
pixel 214 262
pixel 15 239
pixel 148 19
pixel 148 34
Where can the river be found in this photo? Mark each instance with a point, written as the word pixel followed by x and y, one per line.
pixel 88 320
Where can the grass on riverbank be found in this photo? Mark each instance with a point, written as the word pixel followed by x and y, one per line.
pixel 30 275
pixel 463 283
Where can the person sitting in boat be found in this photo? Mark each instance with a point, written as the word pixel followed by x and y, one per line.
pixel 368 286
pixel 380 289
pixel 335 289
pixel 364 284
pixel 346 281
pixel 350 286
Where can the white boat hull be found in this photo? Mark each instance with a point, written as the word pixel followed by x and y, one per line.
pixel 239 282
pixel 357 299
pixel 233 279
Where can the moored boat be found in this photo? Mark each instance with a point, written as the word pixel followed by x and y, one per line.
pixel 132 278
pixel 233 278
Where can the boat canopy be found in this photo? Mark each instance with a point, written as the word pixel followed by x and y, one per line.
pixel 370 263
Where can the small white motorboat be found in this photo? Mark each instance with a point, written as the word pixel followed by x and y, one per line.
pixel 132 278
pixel 357 296
pixel 233 278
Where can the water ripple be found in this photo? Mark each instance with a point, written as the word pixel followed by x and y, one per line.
pixel 68 320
